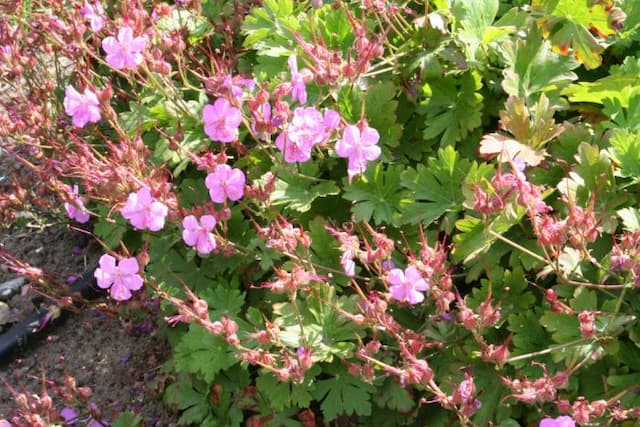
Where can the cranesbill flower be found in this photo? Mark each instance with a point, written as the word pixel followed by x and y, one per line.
pixel 331 119
pixel 305 130
pixel 561 421
pixel 82 107
pixel 407 285
pixel 70 415
pixel 125 52
pixel 225 183
pixel 95 14
pixel 298 88
pixel 121 277
pixel 198 233
pixel 76 210
pixel 237 84
pixel 221 121
pixel 143 211
pixel 359 147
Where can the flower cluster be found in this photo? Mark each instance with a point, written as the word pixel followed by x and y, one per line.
pixel 305 130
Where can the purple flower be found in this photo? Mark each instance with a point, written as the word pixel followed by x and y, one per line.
pixel 225 183
pixel 70 415
pixel 388 264
pixel 407 285
pixel 76 210
pixel 5 53
pixel 95 14
pixel 122 277
pixel 144 212
pixel 198 233
pixel 562 421
pixel 359 147
pixel 305 130
pixel 125 52
pixel 298 88
pixel 83 107
pixel 221 121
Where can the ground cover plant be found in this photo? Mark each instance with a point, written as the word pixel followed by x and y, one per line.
pixel 353 213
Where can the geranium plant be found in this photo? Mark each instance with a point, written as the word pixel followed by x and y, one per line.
pixel 368 212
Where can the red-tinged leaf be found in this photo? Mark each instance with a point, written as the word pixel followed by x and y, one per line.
pixel 507 149
pixel 573 23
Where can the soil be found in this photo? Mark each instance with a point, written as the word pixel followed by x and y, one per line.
pixel 118 358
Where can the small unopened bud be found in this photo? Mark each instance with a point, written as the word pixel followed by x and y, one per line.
pixel 22 401
pixel 84 392
pixel 46 402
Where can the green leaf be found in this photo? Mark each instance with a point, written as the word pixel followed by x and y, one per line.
pixel 630 218
pixel 270 29
pixel 202 353
pixel 564 327
pixel 528 334
pixel 191 398
pixel 223 301
pixel 109 230
pixel 622 84
pixel 535 69
pixel 476 238
pixel 127 419
pixel 625 152
pixel 394 397
pixel 627 119
pixel 453 108
pixel 512 288
pixel 584 299
pixel 380 107
pixel 378 195
pixel 343 394
pixel 436 188
pixel 476 19
pixel 298 193
pixel 568 24
pixel 197 26
pixel 284 394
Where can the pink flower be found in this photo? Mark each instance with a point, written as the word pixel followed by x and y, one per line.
pixel 237 84
pixel 199 234
pixel 76 210
pixel 95 14
pixel 331 119
pixel 305 130
pixel 562 421
pixel 221 121
pixel 84 108
pixel 125 52
pixel 122 277
pixel 298 88
pixel 359 147
pixel 143 211
pixel 225 183
pixel 407 285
